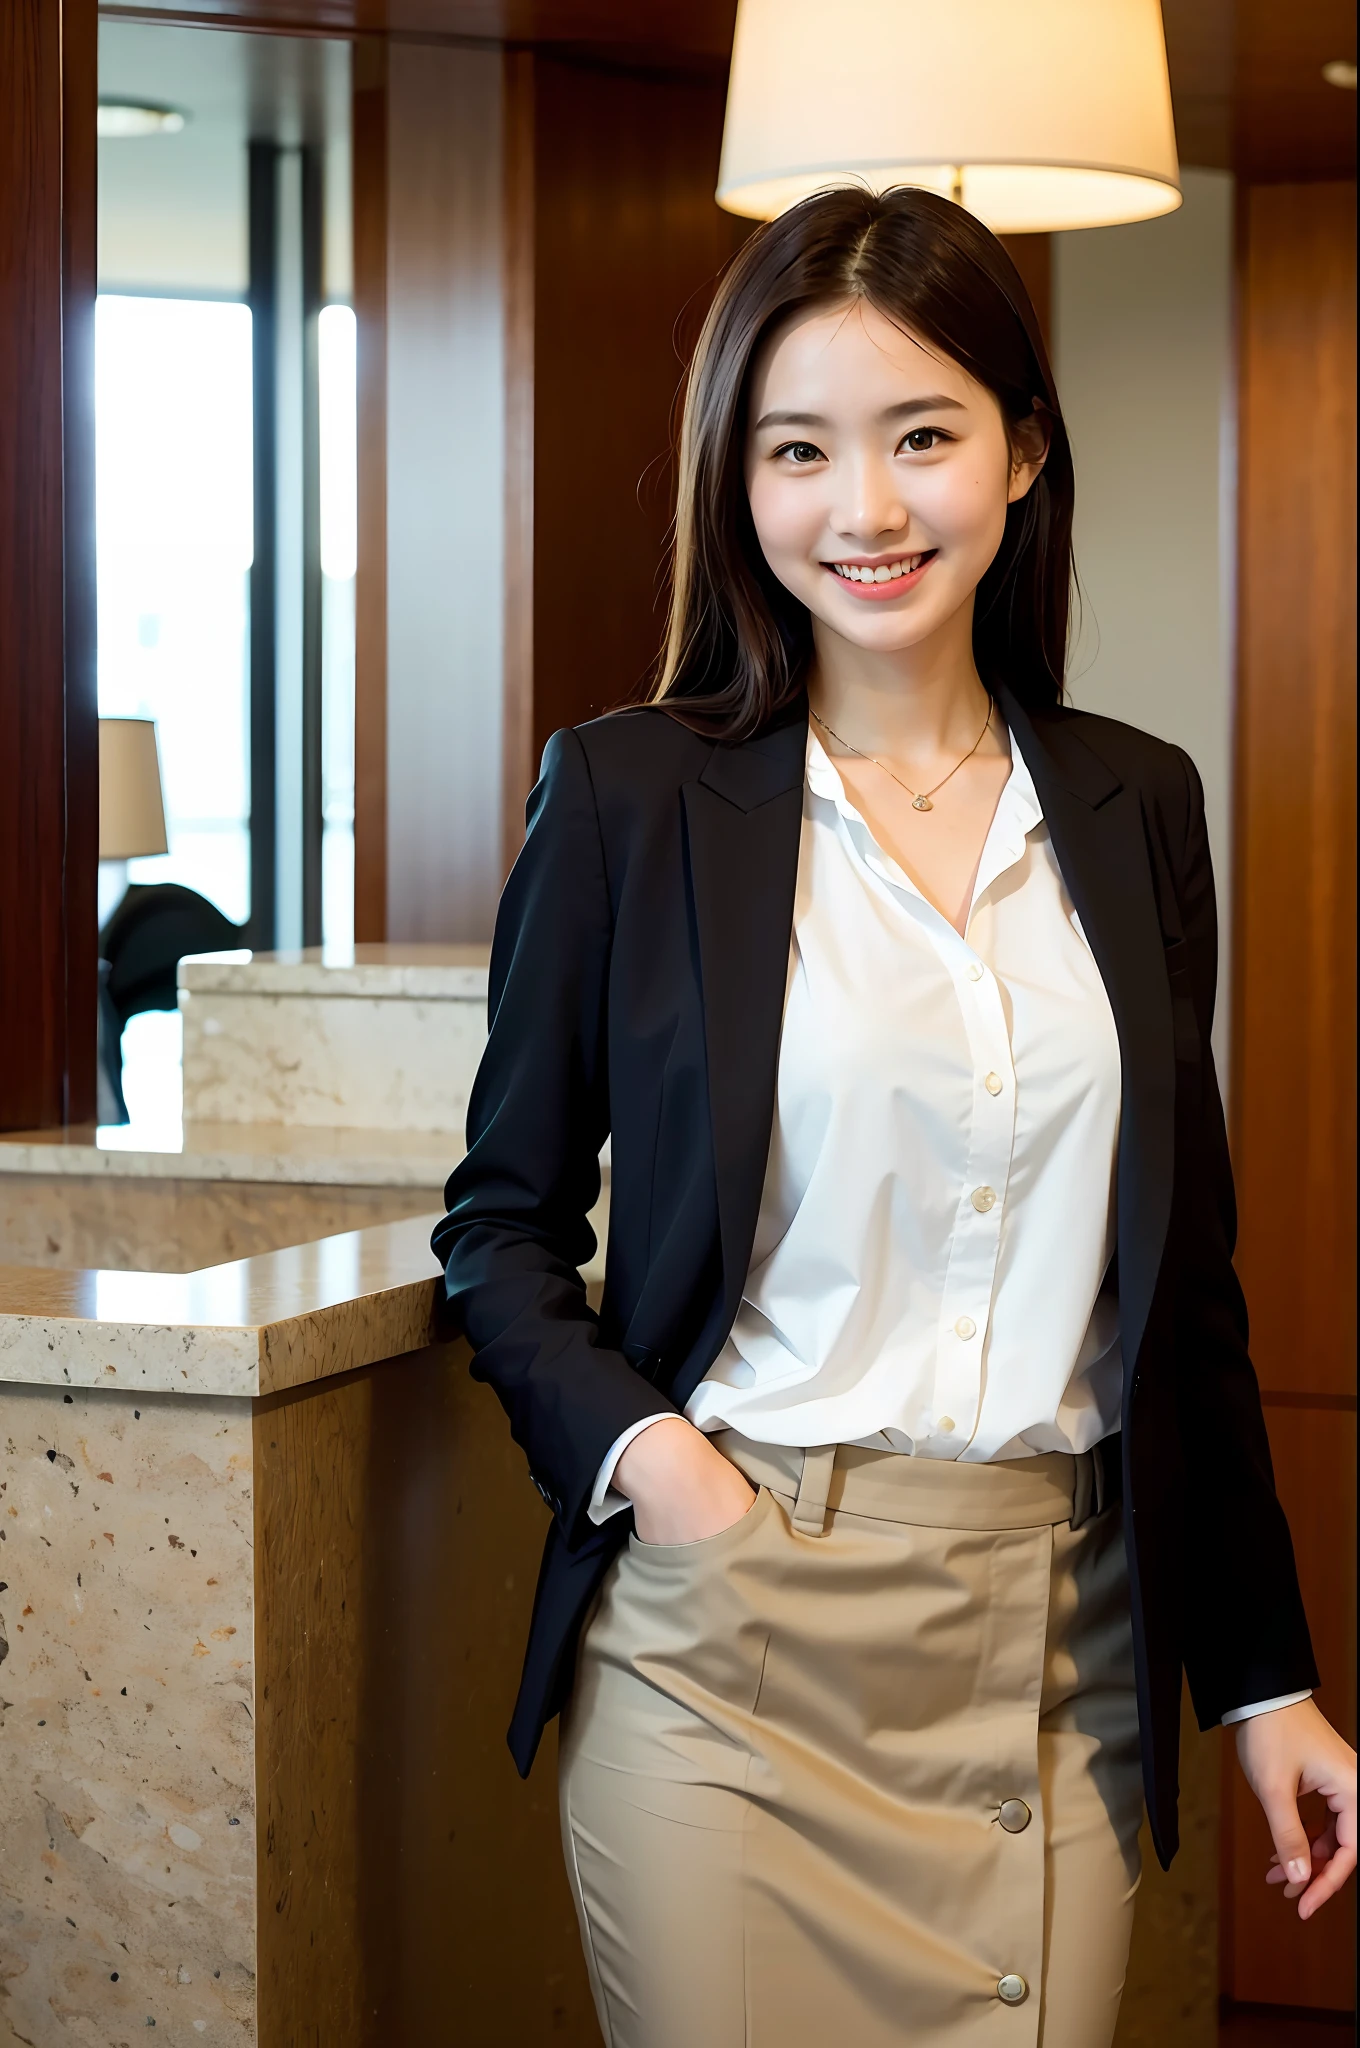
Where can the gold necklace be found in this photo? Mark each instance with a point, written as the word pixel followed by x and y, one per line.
pixel 920 798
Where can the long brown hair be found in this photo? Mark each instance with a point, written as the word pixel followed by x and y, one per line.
pixel 738 642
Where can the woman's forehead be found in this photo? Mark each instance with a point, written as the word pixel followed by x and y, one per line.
pixel 847 351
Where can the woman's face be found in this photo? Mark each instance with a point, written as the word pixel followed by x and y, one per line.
pixel 879 473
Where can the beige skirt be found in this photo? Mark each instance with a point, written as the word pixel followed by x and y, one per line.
pixel 862 1769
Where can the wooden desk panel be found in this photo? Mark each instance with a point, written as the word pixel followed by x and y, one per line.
pixel 410 1887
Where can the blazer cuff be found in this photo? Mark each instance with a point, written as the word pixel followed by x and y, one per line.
pixel 1285 1699
pixel 606 1500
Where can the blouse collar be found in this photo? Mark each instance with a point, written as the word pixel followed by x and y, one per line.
pixel 1017 814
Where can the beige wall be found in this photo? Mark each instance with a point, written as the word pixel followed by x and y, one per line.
pixel 1143 345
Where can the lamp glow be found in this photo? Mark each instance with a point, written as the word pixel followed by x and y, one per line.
pixel 1044 115
pixel 125 120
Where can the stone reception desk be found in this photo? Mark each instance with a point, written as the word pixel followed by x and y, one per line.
pixel 266 1560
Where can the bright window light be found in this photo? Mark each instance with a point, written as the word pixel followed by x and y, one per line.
pixel 337 401
pixel 174 537
pixel 335 348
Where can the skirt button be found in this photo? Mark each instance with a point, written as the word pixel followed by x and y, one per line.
pixel 1012 1990
pixel 1014 1816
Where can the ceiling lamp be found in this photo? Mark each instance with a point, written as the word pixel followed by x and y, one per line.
pixel 1034 114
pixel 122 120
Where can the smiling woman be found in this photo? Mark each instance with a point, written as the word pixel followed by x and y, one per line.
pixel 890 980
pixel 926 287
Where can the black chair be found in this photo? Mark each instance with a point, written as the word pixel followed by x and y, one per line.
pixel 140 948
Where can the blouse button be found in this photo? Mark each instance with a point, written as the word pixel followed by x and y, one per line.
pixel 993 1084
pixel 946 1425
pixel 965 1327
pixel 1012 1989
pixel 983 1199
pixel 976 971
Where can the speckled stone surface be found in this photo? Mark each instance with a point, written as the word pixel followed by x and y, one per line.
pixel 254 1326
pixel 154 1225
pixel 382 1038
pixel 315 1155
pixel 438 972
pixel 127 1882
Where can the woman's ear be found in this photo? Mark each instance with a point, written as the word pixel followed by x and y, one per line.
pixel 1029 449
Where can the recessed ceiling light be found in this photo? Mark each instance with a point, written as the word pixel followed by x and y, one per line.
pixel 1341 71
pixel 123 119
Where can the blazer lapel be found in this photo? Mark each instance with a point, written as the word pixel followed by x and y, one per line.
pixel 1096 824
pixel 743 820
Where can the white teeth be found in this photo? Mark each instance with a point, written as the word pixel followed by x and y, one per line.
pixel 886 572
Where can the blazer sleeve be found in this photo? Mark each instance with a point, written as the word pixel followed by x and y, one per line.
pixel 516 1233
pixel 1246 1633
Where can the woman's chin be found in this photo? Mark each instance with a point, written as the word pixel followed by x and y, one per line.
pixel 882 631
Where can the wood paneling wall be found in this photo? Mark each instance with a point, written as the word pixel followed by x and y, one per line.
pixel 49 746
pixel 600 184
pixel 628 242
pixel 1294 1010
pixel 445 489
pixel 1032 256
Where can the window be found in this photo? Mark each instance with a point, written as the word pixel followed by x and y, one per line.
pixel 174 540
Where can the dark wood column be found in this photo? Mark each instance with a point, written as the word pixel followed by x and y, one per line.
pixel 49 742
pixel 1294 975
pixel 612 177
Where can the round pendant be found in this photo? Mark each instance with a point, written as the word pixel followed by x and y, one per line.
pixel 922 803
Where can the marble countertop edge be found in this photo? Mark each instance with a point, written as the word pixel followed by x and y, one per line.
pixel 291 1155
pixel 422 973
pixel 248 1327
pixel 79 1352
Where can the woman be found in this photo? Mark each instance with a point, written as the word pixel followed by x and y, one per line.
pixel 915 1447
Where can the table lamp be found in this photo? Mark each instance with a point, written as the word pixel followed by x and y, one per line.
pixel 131 808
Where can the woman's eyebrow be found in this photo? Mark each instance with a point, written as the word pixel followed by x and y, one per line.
pixel 936 402
pixel 909 407
pixel 791 419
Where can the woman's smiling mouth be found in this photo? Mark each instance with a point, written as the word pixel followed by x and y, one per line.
pixel 882 579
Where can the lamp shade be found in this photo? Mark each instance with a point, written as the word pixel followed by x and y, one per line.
pixel 131 812
pixel 1035 114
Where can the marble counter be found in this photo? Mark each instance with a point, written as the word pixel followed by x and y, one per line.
pixel 376 1037
pixel 429 972
pixel 267 1555
pixel 308 1155
pixel 249 1327
pixel 177 1198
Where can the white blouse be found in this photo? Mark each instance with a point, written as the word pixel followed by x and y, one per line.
pixel 937 1222
pixel 938 1210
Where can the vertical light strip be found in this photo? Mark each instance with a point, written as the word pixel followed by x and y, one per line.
pixel 289 490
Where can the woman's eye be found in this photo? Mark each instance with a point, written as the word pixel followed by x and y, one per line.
pixel 921 439
pixel 800 451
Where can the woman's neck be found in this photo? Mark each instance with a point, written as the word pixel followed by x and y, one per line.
pixel 916 702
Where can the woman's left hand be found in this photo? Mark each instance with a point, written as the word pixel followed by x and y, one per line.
pixel 1294 1750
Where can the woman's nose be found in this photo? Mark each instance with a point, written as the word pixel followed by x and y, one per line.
pixel 870 508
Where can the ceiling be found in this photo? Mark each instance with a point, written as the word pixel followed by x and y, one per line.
pixel 1246 74
pixel 172 208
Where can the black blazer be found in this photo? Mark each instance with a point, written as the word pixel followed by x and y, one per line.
pixel 637 988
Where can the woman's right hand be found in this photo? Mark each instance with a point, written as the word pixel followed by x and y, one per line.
pixel 682 1489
